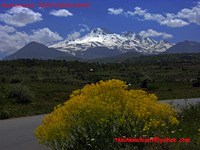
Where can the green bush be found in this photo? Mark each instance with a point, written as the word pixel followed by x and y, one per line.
pixel 4 114
pixel 15 79
pixel 20 93
pixel 34 77
pixel 151 86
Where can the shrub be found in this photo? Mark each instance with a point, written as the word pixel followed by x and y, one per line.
pixel 34 77
pixel 144 83
pixel 151 86
pixel 20 93
pixel 15 79
pixel 4 114
pixel 101 112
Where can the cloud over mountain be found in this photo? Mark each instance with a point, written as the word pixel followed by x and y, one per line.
pixel 11 39
pixel 153 33
pixel 77 34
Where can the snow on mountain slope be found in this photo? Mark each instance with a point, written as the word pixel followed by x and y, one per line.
pixel 103 38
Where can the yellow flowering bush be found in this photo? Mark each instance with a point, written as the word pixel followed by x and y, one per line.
pixel 97 114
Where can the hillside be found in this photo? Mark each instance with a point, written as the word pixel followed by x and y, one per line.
pixel 118 58
pixel 191 57
pixel 37 51
pixel 184 47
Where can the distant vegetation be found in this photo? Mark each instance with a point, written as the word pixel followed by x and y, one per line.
pixel 45 84
pixel 134 57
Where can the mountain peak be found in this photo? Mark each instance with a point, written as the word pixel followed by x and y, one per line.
pixel 129 33
pixel 37 51
pixel 163 41
pixel 34 44
pixel 189 42
pixel 185 47
pixel 101 40
pixel 101 31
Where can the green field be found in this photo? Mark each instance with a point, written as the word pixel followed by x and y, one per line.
pixel 47 83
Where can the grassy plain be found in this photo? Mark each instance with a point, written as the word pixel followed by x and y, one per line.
pixel 52 81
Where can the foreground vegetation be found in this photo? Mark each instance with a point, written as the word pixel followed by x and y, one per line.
pixel 98 114
pixel 188 128
pixel 30 87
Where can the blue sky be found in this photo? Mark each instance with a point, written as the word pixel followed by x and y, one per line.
pixel 174 21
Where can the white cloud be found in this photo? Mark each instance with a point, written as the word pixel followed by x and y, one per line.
pixel 73 35
pixel 12 40
pixel 61 13
pixel 138 11
pixel 169 20
pixel 174 23
pixel 6 28
pixel 20 16
pixel 183 18
pixel 167 36
pixel 44 36
pixel 193 15
pixel 85 28
pixel 77 34
pixel 113 11
pixel 153 33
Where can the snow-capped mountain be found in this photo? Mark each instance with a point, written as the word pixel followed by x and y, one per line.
pixel 103 43
pixel 160 46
